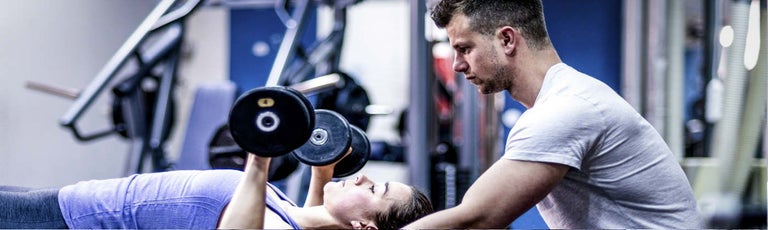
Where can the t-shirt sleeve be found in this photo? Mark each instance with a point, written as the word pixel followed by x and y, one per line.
pixel 562 130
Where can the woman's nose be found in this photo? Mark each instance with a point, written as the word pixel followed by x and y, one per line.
pixel 361 179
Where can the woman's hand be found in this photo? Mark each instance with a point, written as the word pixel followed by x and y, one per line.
pixel 321 175
pixel 246 208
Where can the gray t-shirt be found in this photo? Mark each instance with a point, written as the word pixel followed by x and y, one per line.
pixel 622 173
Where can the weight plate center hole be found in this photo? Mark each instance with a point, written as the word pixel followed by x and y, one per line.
pixel 267 121
pixel 319 137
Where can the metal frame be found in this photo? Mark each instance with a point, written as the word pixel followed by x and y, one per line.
pixel 156 44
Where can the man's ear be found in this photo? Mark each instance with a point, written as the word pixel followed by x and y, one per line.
pixel 508 37
pixel 363 225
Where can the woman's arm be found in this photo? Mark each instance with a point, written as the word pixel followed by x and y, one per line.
pixel 246 209
pixel 321 175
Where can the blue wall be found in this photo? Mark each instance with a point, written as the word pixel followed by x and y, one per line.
pixel 587 36
pixel 249 26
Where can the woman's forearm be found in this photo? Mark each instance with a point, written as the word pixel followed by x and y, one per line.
pixel 320 176
pixel 246 208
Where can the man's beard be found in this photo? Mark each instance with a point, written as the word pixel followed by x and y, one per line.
pixel 500 80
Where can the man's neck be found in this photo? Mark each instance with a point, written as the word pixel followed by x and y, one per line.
pixel 531 72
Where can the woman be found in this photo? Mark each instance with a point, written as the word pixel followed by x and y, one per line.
pixel 213 199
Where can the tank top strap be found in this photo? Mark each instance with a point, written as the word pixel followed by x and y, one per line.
pixel 273 205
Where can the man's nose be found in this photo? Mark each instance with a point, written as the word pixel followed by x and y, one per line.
pixel 459 65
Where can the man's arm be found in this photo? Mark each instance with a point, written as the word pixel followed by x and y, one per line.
pixel 246 208
pixel 499 196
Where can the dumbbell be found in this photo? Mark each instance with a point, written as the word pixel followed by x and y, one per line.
pixel 224 153
pixel 330 140
pixel 273 121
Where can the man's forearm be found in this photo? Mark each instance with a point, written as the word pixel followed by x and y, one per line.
pixel 445 219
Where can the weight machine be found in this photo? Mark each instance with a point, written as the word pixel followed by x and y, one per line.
pixel 143 103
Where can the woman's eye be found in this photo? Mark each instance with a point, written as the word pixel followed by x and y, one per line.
pixel 372 187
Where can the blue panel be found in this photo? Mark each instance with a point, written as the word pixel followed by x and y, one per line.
pixel 587 36
pixel 255 37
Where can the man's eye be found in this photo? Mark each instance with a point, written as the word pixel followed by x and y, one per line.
pixel 372 187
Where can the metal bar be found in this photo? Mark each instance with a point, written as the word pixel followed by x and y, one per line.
pixel 421 112
pixel 712 52
pixel 325 50
pixel 675 79
pixel 288 45
pixel 108 71
pixel 55 90
pixel 727 129
pixel 134 112
pixel 176 14
pixel 633 45
pixel 470 138
pixel 656 65
pixel 162 46
pixel 319 84
pixel 162 111
pixel 135 162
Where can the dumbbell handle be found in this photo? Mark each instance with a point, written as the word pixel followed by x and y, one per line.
pixel 318 84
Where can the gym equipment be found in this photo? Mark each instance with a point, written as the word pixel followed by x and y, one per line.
pixel 143 101
pixel 209 111
pixel 350 101
pixel 361 152
pixel 224 153
pixel 271 121
pixel 331 139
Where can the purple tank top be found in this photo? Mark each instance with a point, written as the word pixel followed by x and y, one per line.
pixel 169 200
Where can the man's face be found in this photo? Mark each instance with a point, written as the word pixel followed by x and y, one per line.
pixel 479 57
pixel 361 198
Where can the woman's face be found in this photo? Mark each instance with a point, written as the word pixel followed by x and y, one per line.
pixel 361 198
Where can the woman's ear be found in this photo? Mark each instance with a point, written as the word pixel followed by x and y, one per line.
pixel 363 225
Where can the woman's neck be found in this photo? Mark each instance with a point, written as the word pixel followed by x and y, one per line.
pixel 313 217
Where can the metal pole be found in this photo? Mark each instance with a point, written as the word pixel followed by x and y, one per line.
pixel 632 70
pixel 105 75
pixel 470 129
pixel 655 64
pixel 674 120
pixel 287 47
pixel 421 112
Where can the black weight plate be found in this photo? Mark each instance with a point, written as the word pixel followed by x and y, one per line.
pixel 329 140
pixel 350 101
pixel 270 121
pixel 361 151
pixel 306 103
pixel 224 153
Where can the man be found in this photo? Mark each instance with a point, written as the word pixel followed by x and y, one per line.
pixel 580 153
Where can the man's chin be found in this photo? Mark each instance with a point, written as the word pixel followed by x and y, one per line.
pixel 485 91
